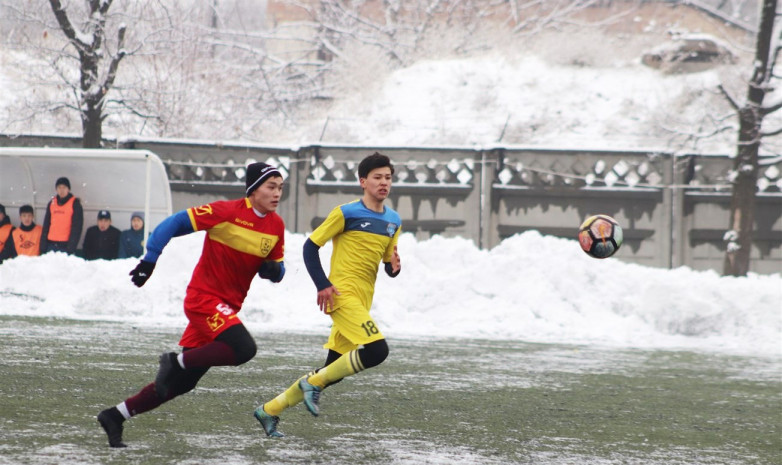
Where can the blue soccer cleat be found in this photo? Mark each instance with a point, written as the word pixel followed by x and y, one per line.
pixel 311 396
pixel 268 422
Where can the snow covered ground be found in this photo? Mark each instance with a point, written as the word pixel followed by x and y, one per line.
pixel 531 288
pixel 535 97
pixel 492 99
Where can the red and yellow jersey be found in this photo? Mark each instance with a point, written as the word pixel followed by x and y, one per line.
pixel 237 242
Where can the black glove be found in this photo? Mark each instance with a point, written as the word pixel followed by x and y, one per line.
pixel 390 270
pixel 270 270
pixel 142 272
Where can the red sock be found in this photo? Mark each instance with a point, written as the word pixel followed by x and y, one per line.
pixel 214 354
pixel 144 401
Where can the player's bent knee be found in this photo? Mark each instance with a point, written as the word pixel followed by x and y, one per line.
pixel 241 342
pixel 374 353
pixel 245 351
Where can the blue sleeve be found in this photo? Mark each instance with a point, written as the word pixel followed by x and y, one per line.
pixel 314 267
pixel 175 225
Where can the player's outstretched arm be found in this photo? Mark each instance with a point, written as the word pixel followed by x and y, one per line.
pixel 175 225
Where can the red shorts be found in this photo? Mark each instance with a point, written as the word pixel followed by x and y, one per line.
pixel 208 316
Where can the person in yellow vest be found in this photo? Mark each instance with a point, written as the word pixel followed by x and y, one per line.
pixel 27 237
pixel 7 249
pixel 63 221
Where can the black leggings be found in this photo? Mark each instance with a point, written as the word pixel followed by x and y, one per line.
pixel 237 337
pixel 186 380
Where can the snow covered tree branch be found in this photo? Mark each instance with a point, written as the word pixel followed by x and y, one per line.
pixel 746 163
pixel 93 85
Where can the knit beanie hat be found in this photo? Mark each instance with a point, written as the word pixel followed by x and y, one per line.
pixel 139 215
pixel 2 209
pixel 257 173
pixel 63 180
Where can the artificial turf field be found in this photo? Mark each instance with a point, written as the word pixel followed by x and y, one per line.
pixel 435 401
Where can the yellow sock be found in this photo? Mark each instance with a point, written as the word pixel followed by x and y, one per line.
pixel 289 398
pixel 348 364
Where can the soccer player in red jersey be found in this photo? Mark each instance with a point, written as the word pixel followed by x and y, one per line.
pixel 244 237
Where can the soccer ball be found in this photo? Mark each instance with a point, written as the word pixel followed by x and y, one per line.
pixel 600 236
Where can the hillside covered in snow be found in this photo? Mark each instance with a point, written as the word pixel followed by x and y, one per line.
pixel 579 82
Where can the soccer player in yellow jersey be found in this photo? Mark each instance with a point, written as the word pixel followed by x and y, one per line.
pixel 364 233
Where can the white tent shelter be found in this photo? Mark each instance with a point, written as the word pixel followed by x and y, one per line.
pixel 121 181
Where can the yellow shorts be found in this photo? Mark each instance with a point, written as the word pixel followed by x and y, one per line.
pixel 351 326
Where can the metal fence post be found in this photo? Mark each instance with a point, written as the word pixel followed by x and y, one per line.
pixel 488 167
pixel 667 230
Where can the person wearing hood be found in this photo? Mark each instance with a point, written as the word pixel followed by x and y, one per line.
pixel 7 249
pixel 131 241
pixel 63 221
pixel 27 237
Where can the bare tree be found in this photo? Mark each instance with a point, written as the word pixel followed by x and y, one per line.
pixel 746 164
pixel 202 67
pixel 211 69
pixel 95 81
pixel 399 29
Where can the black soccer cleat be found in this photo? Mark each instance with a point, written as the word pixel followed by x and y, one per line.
pixel 169 367
pixel 111 421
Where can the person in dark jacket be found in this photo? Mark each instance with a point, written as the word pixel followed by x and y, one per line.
pixel 7 249
pixel 101 241
pixel 63 222
pixel 131 241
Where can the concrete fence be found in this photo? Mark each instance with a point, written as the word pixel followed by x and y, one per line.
pixel 673 207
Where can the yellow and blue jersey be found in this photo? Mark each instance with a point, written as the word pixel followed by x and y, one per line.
pixel 361 239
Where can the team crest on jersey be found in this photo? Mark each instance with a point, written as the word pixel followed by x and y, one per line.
pixel 202 210
pixel 391 229
pixel 215 321
pixel 266 246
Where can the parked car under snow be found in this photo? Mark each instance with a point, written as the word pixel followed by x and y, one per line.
pixel 688 54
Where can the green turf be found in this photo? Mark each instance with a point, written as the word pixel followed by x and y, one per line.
pixel 438 401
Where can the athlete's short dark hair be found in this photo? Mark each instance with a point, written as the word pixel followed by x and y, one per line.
pixel 374 161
